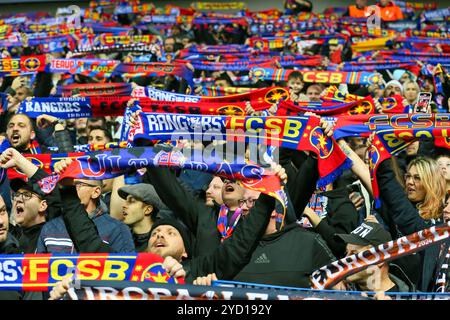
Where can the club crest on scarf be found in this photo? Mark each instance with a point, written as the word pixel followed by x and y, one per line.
pixel 230 110
pixel 156 273
pixel 31 64
pixel 319 141
pixel 259 72
pixel 48 183
pixel 388 103
pixel 275 95
pixel 169 159
pixel 365 107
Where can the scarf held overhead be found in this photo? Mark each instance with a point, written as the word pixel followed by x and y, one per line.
pixel 299 133
pixel 109 164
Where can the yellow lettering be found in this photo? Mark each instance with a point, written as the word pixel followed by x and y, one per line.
pixel 248 124
pixel 55 267
pixel 335 78
pixel 392 140
pixel 237 123
pixel 88 273
pixel 291 129
pixel 114 270
pixel 36 266
pixel 273 125
pixel 424 133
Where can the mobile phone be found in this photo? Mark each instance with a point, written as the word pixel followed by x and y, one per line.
pixel 354 187
pixel 423 103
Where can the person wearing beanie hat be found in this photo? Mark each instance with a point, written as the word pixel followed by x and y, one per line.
pixel 376 277
pixel 170 240
pixel 393 87
pixel 181 248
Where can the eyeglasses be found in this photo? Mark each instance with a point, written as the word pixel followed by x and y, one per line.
pixel 25 196
pixel 249 202
pixel 416 177
pixel 79 184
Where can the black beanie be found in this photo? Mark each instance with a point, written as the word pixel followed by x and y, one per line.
pixel 182 229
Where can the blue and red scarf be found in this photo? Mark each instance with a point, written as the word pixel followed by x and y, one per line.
pixel 299 133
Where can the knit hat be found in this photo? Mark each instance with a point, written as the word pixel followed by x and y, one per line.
pixel 395 83
pixel 182 229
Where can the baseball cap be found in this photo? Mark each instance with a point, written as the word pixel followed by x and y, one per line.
pixel 144 192
pixel 368 233
pixel 17 184
pixel 182 229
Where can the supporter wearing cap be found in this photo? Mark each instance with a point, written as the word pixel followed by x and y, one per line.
pixel 29 210
pixel 376 277
pixel 29 206
pixel 139 211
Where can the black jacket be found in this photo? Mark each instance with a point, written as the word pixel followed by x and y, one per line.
pixel 10 246
pixel 302 175
pixel 235 252
pixel 225 261
pixel 27 237
pixel 141 241
pixel 407 219
pixel 287 258
pixel 342 217
pixel 83 230
pixel 200 219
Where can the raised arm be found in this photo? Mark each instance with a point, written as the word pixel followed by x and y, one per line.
pixel 404 213
pixel 235 252
pixel 176 197
pixel 359 168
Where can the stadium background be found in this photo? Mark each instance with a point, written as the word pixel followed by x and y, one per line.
pixel 14 6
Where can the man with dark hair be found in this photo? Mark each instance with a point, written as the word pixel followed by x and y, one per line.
pixel 223 81
pixel 140 207
pixel 99 135
pixel 20 133
pixel 98 122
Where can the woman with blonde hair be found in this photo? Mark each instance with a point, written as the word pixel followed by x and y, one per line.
pixel 417 206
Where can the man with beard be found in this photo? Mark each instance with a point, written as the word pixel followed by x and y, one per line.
pixel 202 220
pixel 20 133
pixel 393 87
pixel 214 192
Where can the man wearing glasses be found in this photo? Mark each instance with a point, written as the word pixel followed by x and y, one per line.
pixel 29 213
pixel 55 238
